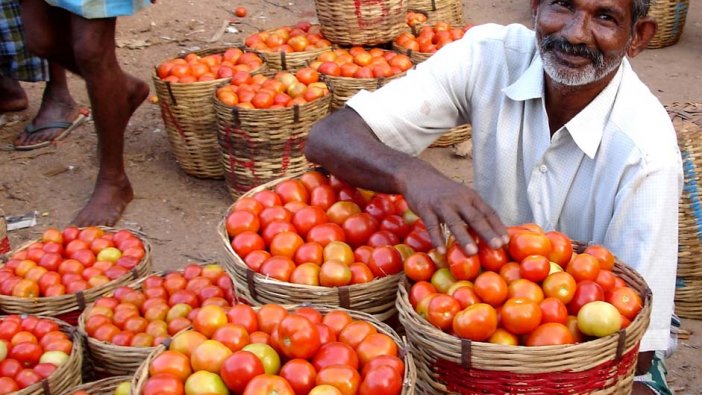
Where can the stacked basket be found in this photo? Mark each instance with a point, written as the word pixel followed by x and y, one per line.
pixel 361 22
pixel 687 119
pixel 448 364
pixel 440 10
pixel 670 15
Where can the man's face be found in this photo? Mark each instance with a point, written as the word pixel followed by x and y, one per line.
pixel 582 41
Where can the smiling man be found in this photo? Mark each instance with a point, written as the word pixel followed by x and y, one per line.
pixel 564 135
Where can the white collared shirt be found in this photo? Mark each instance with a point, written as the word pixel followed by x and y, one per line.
pixel 612 175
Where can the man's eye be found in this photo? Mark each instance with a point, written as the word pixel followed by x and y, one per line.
pixel 606 18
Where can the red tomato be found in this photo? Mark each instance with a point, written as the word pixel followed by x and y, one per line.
pixel 245 316
pixel 163 384
pixel 375 345
pixel 491 288
pixel 526 289
pixel 355 332
pixel 299 337
pixel 274 228
pixel 313 179
pixel 335 353
pixel 396 225
pixel 385 261
pixel 292 191
pixel 239 369
pixel 380 207
pixel 285 244
pixel 337 320
pixel 462 267
pixel 344 378
pixel 326 233
pixel 534 268
pixel 520 315
pixel 358 228
pixel 268 384
pixel 27 377
pixel 307 218
pixel 278 267
pixel 560 285
pixel 360 273
pixel 381 380
pixel 8 385
pixel 234 336
pixel 584 267
pixel 254 260
pixel 171 362
pixel 465 296
pixel 525 243
pixel 275 213
pixel 242 221
pixel 269 316
pixel 606 279
pixel 550 334
pixel 382 238
pixel 10 368
pixel 310 313
pixel 9 328
pixel 419 267
pixel 247 242
pixel 553 310
pixel 561 248
pixel 492 259
pixel 477 322
pixel 603 255
pixel 300 374
pixel 627 301
pixel 27 354
pixel 268 198
pixel 249 204
pixel 323 196
pixel 585 292
pixel 45 370
pixel 442 309
pixel 384 360
pixel 418 291
pixel 419 240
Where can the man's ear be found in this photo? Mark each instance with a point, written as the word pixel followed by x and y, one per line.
pixel 644 30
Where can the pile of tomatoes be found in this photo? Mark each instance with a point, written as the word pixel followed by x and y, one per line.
pixel 430 38
pixel 69 261
pixel 123 388
pixel 31 349
pixel 275 351
pixel 415 18
pixel 358 62
pixel 162 307
pixel 283 90
pixel 196 68
pixel 315 230
pixel 536 291
pixel 299 38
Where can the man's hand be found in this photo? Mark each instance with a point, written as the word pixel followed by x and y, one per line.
pixel 437 199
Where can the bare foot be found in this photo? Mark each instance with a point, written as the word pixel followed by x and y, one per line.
pixel 138 92
pixel 12 96
pixel 108 201
pixel 56 106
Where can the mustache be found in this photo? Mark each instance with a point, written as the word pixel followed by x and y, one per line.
pixel 550 43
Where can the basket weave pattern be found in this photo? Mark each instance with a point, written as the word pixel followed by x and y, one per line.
pixel 447 364
pixel 344 88
pixel 440 10
pixel 687 119
pixel 361 22
pixel 68 307
pixel 670 15
pixel 261 145
pixel 101 387
pixel 408 383
pixel 376 297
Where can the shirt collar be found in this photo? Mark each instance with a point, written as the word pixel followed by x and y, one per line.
pixel 587 127
pixel 531 83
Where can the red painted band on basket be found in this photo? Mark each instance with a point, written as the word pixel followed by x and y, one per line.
pixel 460 380
pixel 4 245
pixel 365 22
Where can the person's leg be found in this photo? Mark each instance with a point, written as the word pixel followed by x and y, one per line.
pixel 12 96
pixel 114 96
pixel 57 105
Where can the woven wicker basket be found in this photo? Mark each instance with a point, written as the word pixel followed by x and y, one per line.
pixel 408 387
pixel 454 136
pixel 100 387
pixel 670 15
pixel 687 119
pixel 287 61
pixel 376 297
pixel 68 307
pixel 344 88
pixel 361 22
pixel 450 11
pixel 261 145
pixel 190 122
pixel 68 374
pixel 4 240
pixel 447 364
pixel 109 358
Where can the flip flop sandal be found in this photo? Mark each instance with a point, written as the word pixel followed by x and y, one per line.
pixel 67 126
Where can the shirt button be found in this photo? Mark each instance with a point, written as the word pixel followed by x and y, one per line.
pixel 543 168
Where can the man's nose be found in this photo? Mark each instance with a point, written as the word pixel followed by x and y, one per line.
pixel 577 30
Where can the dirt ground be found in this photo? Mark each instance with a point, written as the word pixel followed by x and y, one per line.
pixel 180 213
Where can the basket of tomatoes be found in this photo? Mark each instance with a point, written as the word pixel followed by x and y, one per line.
pixel 348 71
pixel 288 48
pixel 361 22
pixel 60 273
pixel 263 123
pixel 123 328
pixel 281 349
pixel 118 385
pixel 541 315
pixel 184 87
pixel 41 355
pixel 440 10
pixel 314 239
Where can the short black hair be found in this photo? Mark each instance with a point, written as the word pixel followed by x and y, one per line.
pixel 639 9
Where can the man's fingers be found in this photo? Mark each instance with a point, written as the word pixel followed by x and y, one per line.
pixel 434 228
pixel 477 221
pixel 459 230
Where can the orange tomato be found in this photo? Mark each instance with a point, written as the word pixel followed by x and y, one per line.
pixel 603 255
pixel 491 288
pixel 560 285
pixel 526 289
pixel 550 334
pixel 553 310
pixel 584 267
pixel 477 322
pixel 627 301
pixel 520 315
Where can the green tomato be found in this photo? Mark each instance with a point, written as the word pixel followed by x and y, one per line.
pixel 269 358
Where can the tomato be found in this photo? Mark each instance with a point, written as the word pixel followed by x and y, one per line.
pixel 268 198
pixel 326 233
pixel 599 319
pixel 382 238
pixel 299 337
pixel 313 179
pixel 171 362
pixel 380 207
pixel 561 248
pixel 334 274
pixel 375 345
pixel 355 332
pixel 344 378
pixel 8 385
pixel 363 254
pixel 584 267
pixel 603 255
pixel 203 382
pixel 269 316
pixel 385 261
pixel 243 315
pixel 418 291
pixel 627 301
pixel 268 384
pixel 326 335
pixel 561 286
pixel 419 267
pixel 492 259
pixel 246 242
pixel 240 368
pixel 441 311
pixel 300 374
pixel 309 253
pixel 395 224
pixel 9 328
pixel 442 280
pixel 358 228
pixel 234 336
pixel 381 380
pixel 337 320
pixel 278 267
pixel 550 334
pixel 210 356
pixel 23 337
pixel 504 337
pixel 335 353
pixel 491 288
pixel 526 289
pixel 307 218
pixel 186 342
pixel 393 362
pixel 51 337
pixel 27 377
pixel 338 251
pixel 249 204
pixel 477 322
pixel 267 355
pixel 323 196
pixel 340 211
pixel 585 292
pixel 209 319
pixel 241 221
pixel 553 310
pixel 292 191
pixel 606 279
pixel 534 268
pixel 463 267
pixel 520 315
pixel 324 389
pixel 360 273
pixel 285 244
pixel 525 243
pixel 10 367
